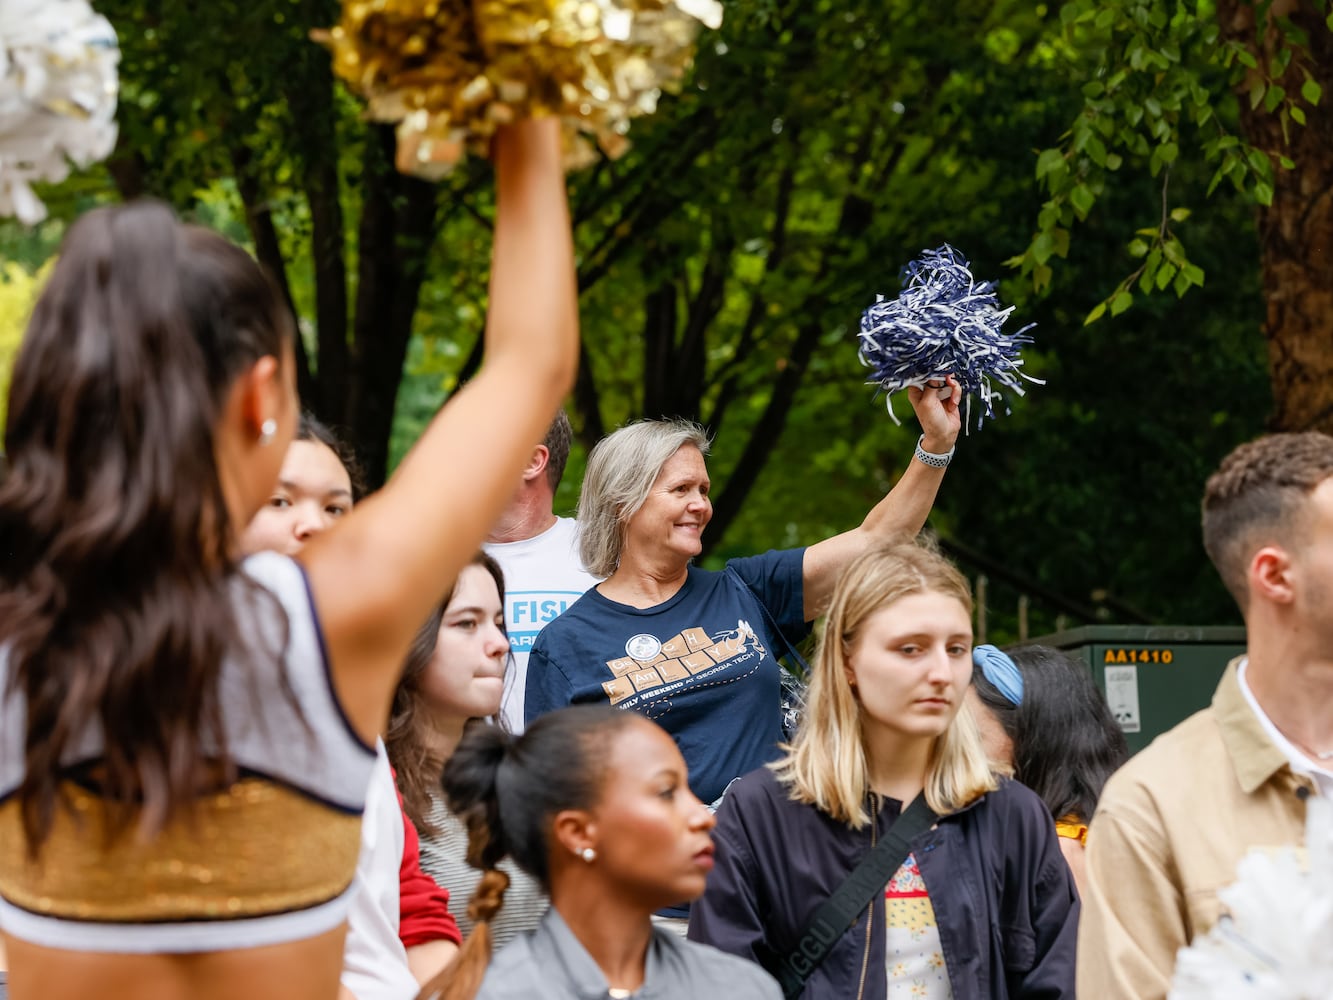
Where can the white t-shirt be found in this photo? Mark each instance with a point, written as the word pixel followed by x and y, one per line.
pixel 374 960
pixel 1301 764
pixel 543 576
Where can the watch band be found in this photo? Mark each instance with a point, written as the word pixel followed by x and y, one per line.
pixel 930 458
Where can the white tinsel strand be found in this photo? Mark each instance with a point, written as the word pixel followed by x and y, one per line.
pixel 1276 940
pixel 943 323
pixel 58 90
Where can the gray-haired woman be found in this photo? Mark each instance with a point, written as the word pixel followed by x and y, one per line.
pixel 696 650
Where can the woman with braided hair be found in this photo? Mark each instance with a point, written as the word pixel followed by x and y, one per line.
pixel 594 804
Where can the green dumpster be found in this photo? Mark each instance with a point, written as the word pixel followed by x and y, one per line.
pixel 1154 676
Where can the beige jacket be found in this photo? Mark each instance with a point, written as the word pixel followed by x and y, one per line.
pixel 1169 831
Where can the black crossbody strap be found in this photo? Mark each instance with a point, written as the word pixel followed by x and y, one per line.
pixel 864 884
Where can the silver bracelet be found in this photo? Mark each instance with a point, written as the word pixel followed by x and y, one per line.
pixel 930 458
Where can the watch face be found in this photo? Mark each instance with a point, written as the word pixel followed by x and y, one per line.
pixel 643 647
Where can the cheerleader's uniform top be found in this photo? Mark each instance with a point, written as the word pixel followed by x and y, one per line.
pixel 266 860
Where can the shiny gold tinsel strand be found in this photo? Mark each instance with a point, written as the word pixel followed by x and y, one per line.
pixel 450 71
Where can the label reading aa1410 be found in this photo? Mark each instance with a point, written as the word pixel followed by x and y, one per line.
pixel 1139 656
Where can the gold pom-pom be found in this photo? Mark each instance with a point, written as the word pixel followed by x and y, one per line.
pixel 449 72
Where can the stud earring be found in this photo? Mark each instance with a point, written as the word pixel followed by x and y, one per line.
pixel 588 855
pixel 268 430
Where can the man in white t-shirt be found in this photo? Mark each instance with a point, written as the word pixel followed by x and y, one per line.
pixel 539 554
pixel 1172 824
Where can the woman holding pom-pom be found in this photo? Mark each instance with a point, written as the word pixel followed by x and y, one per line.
pixel 697 650
pixel 186 736
pixel 595 804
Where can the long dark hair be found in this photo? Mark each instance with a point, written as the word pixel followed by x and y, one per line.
pixel 1066 741
pixel 117 583
pixel 506 790
pixel 417 769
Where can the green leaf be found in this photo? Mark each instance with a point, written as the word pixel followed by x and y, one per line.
pixel 1193 273
pixel 1168 151
pixel 1247 59
pixel 1287 162
pixel 1164 275
pixel 1042 247
pixel 1082 199
pixel 1049 160
pixel 1175 252
pixel 1138 248
pixel 1297 115
pixel 1113 161
pixel 1257 94
pixel 1149 270
pixel 1263 193
pixel 1096 149
pixel 1311 92
pixel 1061 242
pixel 1274 97
pixel 1098 311
pixel 1180 214
pixel 1121 302
pixel 1041 277
pixel 1182 284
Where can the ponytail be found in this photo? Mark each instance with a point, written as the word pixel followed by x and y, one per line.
pixel 471 788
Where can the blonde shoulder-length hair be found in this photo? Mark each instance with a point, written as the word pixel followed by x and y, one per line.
pixel 621 470
pixel 825 765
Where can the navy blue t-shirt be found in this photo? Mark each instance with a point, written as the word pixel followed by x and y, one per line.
pixel 702 665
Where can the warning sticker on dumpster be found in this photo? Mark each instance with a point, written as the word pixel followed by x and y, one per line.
pixel 1122 694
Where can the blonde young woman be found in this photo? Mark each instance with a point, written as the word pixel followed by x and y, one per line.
pixel 983 906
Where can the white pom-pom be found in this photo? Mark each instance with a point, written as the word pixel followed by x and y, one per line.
pixel 57 96
pixel 1276 941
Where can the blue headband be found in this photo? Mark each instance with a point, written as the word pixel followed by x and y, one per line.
pixel 1001 671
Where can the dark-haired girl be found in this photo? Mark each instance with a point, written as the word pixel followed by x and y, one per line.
pixel 455 676
pixel 595 804
pixel 186 737
pixel 1042 715
pixel 319 482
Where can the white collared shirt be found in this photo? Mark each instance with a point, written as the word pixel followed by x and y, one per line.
pixel 1300 763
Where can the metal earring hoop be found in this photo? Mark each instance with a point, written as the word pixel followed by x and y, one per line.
pixel 588 855
pixel 268 430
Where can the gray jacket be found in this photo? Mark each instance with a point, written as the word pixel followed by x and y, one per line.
pixel 549 962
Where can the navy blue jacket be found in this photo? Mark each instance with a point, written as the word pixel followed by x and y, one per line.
pixel 1003 896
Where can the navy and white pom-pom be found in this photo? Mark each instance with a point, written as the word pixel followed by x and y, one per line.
pixel 943 323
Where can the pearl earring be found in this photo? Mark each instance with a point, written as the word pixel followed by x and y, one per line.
pixel 588 854
pixel 268 430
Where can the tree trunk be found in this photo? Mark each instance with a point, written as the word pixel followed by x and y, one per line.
pixel 1296 231
pixel 399 221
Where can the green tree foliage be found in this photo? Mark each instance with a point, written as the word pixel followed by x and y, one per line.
pixel 724 262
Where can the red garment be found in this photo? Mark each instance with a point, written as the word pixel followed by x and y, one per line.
pixel 423 907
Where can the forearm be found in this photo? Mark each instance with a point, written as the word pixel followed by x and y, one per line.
pixel 426 960
pixel 904 509
pixel 902 513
